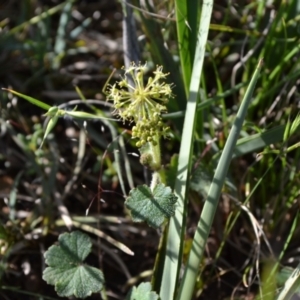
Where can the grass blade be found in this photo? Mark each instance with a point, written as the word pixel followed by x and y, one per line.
pixel 39 17
pixel 176 226
pixel 291 285
pixel 30 99
pixel 259 141
pixel 187 17
pixel 210 206
pixel 60 40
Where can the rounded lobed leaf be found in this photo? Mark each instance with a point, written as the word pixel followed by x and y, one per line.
pixel 73 249
pixel 66 270
pixel 142 292
pixel 151 207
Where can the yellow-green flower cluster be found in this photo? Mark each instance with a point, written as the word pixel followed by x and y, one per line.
pixel 141 103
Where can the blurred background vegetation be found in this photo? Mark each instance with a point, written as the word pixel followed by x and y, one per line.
pixel 49 47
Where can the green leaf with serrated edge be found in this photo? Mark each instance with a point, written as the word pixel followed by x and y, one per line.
pixel 142 292
pixel 151 207
pixel 66 270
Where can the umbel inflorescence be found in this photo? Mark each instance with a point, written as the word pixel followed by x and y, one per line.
pixel 142 103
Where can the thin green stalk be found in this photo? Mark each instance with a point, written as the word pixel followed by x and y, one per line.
pixel 211 204
pixel 229 225
pixel 285 246
pixel 158 176
pixel 40 17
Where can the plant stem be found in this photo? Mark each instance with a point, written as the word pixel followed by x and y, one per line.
pixel 155 180
pixel 154 148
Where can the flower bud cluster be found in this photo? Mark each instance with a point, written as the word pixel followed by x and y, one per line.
pixel 141 103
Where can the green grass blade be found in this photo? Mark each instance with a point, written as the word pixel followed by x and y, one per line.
pixel 259 141
pixel 50 125
pixel 30 99
pixel 287 243
pixel 79 29
pixel 291 285
pixel 177 223
pixel 60 40
pixel 206 103
pixel 127 165
pixel 40 17
pixel 281 63
pixel 187 16
pixel 13 196
pixel 210 206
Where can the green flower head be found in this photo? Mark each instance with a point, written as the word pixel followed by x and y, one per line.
pixel 142 103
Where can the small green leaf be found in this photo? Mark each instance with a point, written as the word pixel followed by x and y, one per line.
pixel 142 292
pixel 52 122
pixel 152 207
pixel 29 99
pixel 53 111
pixel 66 270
